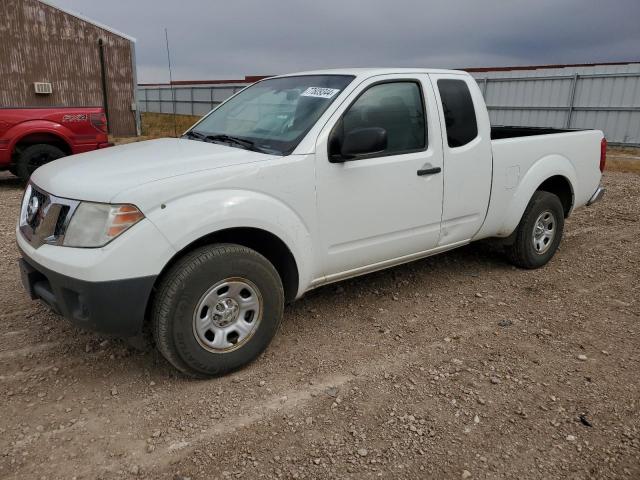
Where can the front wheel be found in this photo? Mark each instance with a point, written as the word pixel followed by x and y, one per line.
pixel 217 309
pixel 539 232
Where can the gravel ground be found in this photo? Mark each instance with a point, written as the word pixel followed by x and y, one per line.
pixel 457 366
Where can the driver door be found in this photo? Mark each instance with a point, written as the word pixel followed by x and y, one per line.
pixel 380 208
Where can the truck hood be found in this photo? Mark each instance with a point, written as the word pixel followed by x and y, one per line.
pixel 100 175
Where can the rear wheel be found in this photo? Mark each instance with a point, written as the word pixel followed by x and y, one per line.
pixel 217 309
pixel 539 232
pixel 35 156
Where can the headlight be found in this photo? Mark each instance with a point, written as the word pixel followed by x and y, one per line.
pixel 96 224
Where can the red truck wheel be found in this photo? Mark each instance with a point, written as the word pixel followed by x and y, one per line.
pixel 35 156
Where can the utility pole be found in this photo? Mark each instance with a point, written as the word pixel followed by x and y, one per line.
pixel 173 93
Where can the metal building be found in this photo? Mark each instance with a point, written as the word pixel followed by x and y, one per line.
pixel 80 62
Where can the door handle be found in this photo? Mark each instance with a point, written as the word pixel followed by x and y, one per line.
pixel 429 171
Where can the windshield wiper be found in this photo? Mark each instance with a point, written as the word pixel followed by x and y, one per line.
pixel 221 137
pixel 248 144
pixel 194 134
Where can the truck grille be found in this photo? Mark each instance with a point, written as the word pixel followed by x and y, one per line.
pixel 44 218
pixel 61 223
pixel 42 199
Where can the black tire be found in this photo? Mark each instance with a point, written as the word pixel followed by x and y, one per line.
pixel 523 252
pixel 182 289
pixel 35 156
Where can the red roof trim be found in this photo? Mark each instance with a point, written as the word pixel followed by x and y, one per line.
pixel 539 67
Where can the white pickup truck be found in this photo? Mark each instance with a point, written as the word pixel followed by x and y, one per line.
pixel 295 182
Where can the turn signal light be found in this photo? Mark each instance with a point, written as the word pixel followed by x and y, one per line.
pixel 124 217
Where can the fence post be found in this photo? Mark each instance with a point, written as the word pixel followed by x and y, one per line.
pixel 140 99
pixel 572 96
pixel 192 102
pixel 484 90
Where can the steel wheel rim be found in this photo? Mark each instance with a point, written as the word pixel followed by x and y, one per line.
pixel 227 315
pixel 544 231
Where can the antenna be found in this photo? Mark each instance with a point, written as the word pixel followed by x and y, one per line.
pixel 173 93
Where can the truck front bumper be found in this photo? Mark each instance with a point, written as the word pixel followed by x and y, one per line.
pixel 104 289
pixel 115 307
pixel 597 195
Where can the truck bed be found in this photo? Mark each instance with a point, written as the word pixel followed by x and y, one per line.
pixel 499 132
pixel 522 159
pixel 69 129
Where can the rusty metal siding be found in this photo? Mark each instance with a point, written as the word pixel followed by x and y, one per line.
pixel 39 43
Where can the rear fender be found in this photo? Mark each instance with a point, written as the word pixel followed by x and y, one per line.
pixel 22 130
pixel 543 169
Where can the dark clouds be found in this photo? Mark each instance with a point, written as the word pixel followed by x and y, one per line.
pixel 222 39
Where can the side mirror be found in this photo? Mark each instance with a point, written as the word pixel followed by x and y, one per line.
pixel 360 141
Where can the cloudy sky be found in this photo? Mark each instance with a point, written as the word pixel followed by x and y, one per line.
pixel 231 38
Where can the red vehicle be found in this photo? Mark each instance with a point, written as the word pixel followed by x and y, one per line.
pixel 31 137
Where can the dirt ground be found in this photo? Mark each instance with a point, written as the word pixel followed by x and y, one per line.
pixel 457 366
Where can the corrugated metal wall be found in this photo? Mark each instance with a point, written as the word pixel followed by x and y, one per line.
pixel 186 100
pixel 605 97
pixel 39 43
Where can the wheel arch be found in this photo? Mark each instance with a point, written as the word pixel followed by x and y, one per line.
pixel 553 174
pixel 265 243
pixel 560 186
pixel 41 137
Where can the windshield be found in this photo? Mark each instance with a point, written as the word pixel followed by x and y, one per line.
pixel 271 116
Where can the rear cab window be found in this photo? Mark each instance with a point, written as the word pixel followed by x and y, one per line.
pixel 458 111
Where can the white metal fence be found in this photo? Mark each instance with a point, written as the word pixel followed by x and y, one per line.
pixel 184 100
pixel 605 97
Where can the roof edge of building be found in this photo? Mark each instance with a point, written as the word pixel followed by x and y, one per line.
pixel 247 79
pixel 254 78
pixel 89 20
pixel 542 67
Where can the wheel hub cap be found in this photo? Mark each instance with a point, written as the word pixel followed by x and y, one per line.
pixel 544 231
pixel 225 312
pixel 227 315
